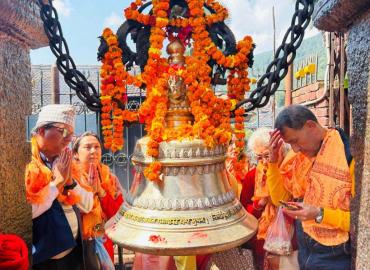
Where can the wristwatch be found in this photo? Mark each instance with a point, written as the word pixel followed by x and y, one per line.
pixel 71 186
pixel 320 216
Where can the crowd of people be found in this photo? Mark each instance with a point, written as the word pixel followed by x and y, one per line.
pixel 297 180
pixel 308 171
pixel 71 193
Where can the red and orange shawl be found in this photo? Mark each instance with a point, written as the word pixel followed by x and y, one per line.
pixel 102 207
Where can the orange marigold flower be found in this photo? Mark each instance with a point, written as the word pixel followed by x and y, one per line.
pixel 240 144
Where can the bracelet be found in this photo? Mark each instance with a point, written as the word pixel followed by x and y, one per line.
pixel 71 186
pixel 320 216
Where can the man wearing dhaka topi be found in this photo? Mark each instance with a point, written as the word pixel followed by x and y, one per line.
pixel 55 197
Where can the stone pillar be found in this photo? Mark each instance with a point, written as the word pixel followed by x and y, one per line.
pixel 353 16
pixel 21 29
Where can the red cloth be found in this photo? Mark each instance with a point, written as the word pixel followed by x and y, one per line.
pixel 202 261
pixel 247 192
pixel 110 207
pixel 153 262
pixel 108 244
pixel 13 253
pixel 249 205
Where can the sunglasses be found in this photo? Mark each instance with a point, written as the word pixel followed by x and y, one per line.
pixel 65 133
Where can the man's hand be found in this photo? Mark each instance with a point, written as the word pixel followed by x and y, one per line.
pixel 307 212
pixel 62 168
pixel 275 144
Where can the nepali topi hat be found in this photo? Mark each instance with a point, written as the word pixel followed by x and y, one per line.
pixel 56 113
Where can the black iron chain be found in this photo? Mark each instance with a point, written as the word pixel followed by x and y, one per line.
pixel 85 90
pixel 284 56
pixel 266 85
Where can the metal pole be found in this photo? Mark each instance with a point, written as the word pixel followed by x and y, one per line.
pixel 331 82
pixel 341 82
pixel 42 88
pixel 317 67
pixel 120 258
pixel 305 75
pixel 274 47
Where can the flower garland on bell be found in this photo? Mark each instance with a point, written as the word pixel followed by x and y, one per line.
pixel 219 15
pixel 154 108
pixel 115 80
pixel 153 171
pixel 211 113
pixel 239 129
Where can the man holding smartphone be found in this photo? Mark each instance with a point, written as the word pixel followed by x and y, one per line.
pixel 317 177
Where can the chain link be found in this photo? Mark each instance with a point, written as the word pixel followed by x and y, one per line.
pixel 85 90
pixel 284 56
pixel 266 85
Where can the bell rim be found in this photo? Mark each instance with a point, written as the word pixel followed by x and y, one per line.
pixel 245 225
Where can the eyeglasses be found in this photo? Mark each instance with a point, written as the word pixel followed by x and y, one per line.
pixel 65 132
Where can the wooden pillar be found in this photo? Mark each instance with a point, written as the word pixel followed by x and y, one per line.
pixel 289 86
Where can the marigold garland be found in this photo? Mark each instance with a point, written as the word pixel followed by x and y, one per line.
pixel 211 113
pixel 152 171
pixel 114 81
pixel 239 129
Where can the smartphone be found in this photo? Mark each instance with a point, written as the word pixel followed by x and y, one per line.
pixel 290 206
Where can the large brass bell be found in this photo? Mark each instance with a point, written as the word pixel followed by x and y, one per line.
pixel 193 209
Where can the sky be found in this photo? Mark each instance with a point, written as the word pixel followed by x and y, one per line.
pixel 83 21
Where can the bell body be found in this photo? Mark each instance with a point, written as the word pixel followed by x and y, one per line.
pixel 191 211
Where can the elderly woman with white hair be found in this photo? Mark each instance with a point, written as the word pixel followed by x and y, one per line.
pixel 255 194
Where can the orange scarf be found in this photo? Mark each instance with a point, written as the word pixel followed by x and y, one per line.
pixel 329 185
pixel 323 181
pixel 236 171
pixel 260 185
pixel 260 192
pixel 37 178
pixel 93 222
pixel 295 169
